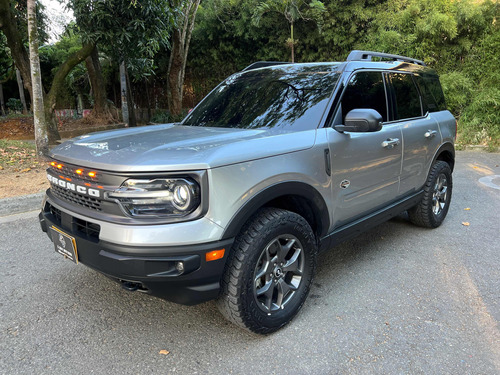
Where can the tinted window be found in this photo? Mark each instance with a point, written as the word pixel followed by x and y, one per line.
pixel 365 90
pixel 432 93
pixel 407 96
pixel 272 98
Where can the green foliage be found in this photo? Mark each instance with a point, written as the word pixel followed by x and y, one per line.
pixel 51 58
pixel 293 11
pixel 458 88
pixel 141 68
pixel 460 39
pixel 164 117
pixel 129 29
pixel 480 121
pixel 14 104
pixel 19 9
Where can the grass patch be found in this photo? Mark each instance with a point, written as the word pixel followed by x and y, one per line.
pixel 18 155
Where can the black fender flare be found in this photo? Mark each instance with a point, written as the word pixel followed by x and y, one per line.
pixel 448 147
pixel 301 189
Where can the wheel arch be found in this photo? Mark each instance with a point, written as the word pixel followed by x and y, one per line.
pixel 294 196
pixel 446 152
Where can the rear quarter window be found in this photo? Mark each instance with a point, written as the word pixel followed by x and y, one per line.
pixel 432 93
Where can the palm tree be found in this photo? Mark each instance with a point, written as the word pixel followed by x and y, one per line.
pixel 292 10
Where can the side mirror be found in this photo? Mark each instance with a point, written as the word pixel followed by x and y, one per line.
pixel 361 120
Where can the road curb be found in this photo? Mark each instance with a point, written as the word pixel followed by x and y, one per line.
pixel 23 203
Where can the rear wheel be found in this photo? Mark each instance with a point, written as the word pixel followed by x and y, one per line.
pixel 433 207
pixel 269 271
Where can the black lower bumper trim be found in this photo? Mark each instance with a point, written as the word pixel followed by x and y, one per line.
pixel 155 270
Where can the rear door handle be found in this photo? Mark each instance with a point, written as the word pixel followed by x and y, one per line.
pixel 430 133
pixel 390 143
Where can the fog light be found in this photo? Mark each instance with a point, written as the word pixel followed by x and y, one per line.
pixel 179 266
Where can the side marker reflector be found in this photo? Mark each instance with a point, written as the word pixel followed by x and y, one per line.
pixel 214 255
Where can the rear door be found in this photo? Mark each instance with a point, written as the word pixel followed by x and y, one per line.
pixel 365 166
pixel 421 135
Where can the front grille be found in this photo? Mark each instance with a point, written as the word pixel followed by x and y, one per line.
pixel 56 213
pixel 68 171
pixel 87 228
pixel 79 199
pixel 80 227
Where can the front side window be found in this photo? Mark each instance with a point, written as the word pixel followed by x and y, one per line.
pixel 407 96
pixel 286 98
pixel 365 90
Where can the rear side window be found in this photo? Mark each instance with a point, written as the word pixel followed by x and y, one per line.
pixel 407 96
pixel 432 93
pixel 365 90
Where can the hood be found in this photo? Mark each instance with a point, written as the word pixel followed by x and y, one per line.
pixel 171 147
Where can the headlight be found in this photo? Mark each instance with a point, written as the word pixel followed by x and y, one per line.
pixel 162 197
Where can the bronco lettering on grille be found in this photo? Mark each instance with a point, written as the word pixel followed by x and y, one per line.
pixel 73 187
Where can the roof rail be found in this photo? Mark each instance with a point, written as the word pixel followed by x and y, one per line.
pixel 357 55
pixel 263 64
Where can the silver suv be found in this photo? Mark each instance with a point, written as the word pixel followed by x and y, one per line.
pixel 279 162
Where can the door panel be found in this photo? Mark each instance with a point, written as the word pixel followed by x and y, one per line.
pixel 421 138
pixel 370 170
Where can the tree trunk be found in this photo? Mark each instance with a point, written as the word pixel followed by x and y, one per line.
pixel 130 99
pixel 148 102
pixel 79 103
pixel 41 133
pixel 174 95
pixel 21 91
pixel 124 96
pixel 2 103
pixel 101 107
pixel 293 43
pixel 8 25
pixel 57 83
pixel 181 38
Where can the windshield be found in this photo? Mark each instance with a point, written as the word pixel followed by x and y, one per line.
pixel 289 98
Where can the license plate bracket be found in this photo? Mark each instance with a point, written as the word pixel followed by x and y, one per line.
pixel 64 244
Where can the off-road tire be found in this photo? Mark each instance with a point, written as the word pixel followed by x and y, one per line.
pixel 423 214
pixel 238 301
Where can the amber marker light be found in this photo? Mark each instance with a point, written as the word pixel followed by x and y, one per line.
pixel 53 163
pixel 59 166
pixel 79 171
pixel 92 174
pixel 214 255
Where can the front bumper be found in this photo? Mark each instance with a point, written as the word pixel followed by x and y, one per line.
pixel 150 269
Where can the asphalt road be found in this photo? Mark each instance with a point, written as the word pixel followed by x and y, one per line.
pixel 396 300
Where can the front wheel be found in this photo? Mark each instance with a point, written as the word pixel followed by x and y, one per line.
pixel 269 271
pixel 433 207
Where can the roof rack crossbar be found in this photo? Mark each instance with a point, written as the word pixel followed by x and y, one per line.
pixel 263 64
pixel 357 55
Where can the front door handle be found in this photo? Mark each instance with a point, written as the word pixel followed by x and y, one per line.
pixel 430 133
pixel 390 143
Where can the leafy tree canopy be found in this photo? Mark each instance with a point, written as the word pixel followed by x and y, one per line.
pixel 130 29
